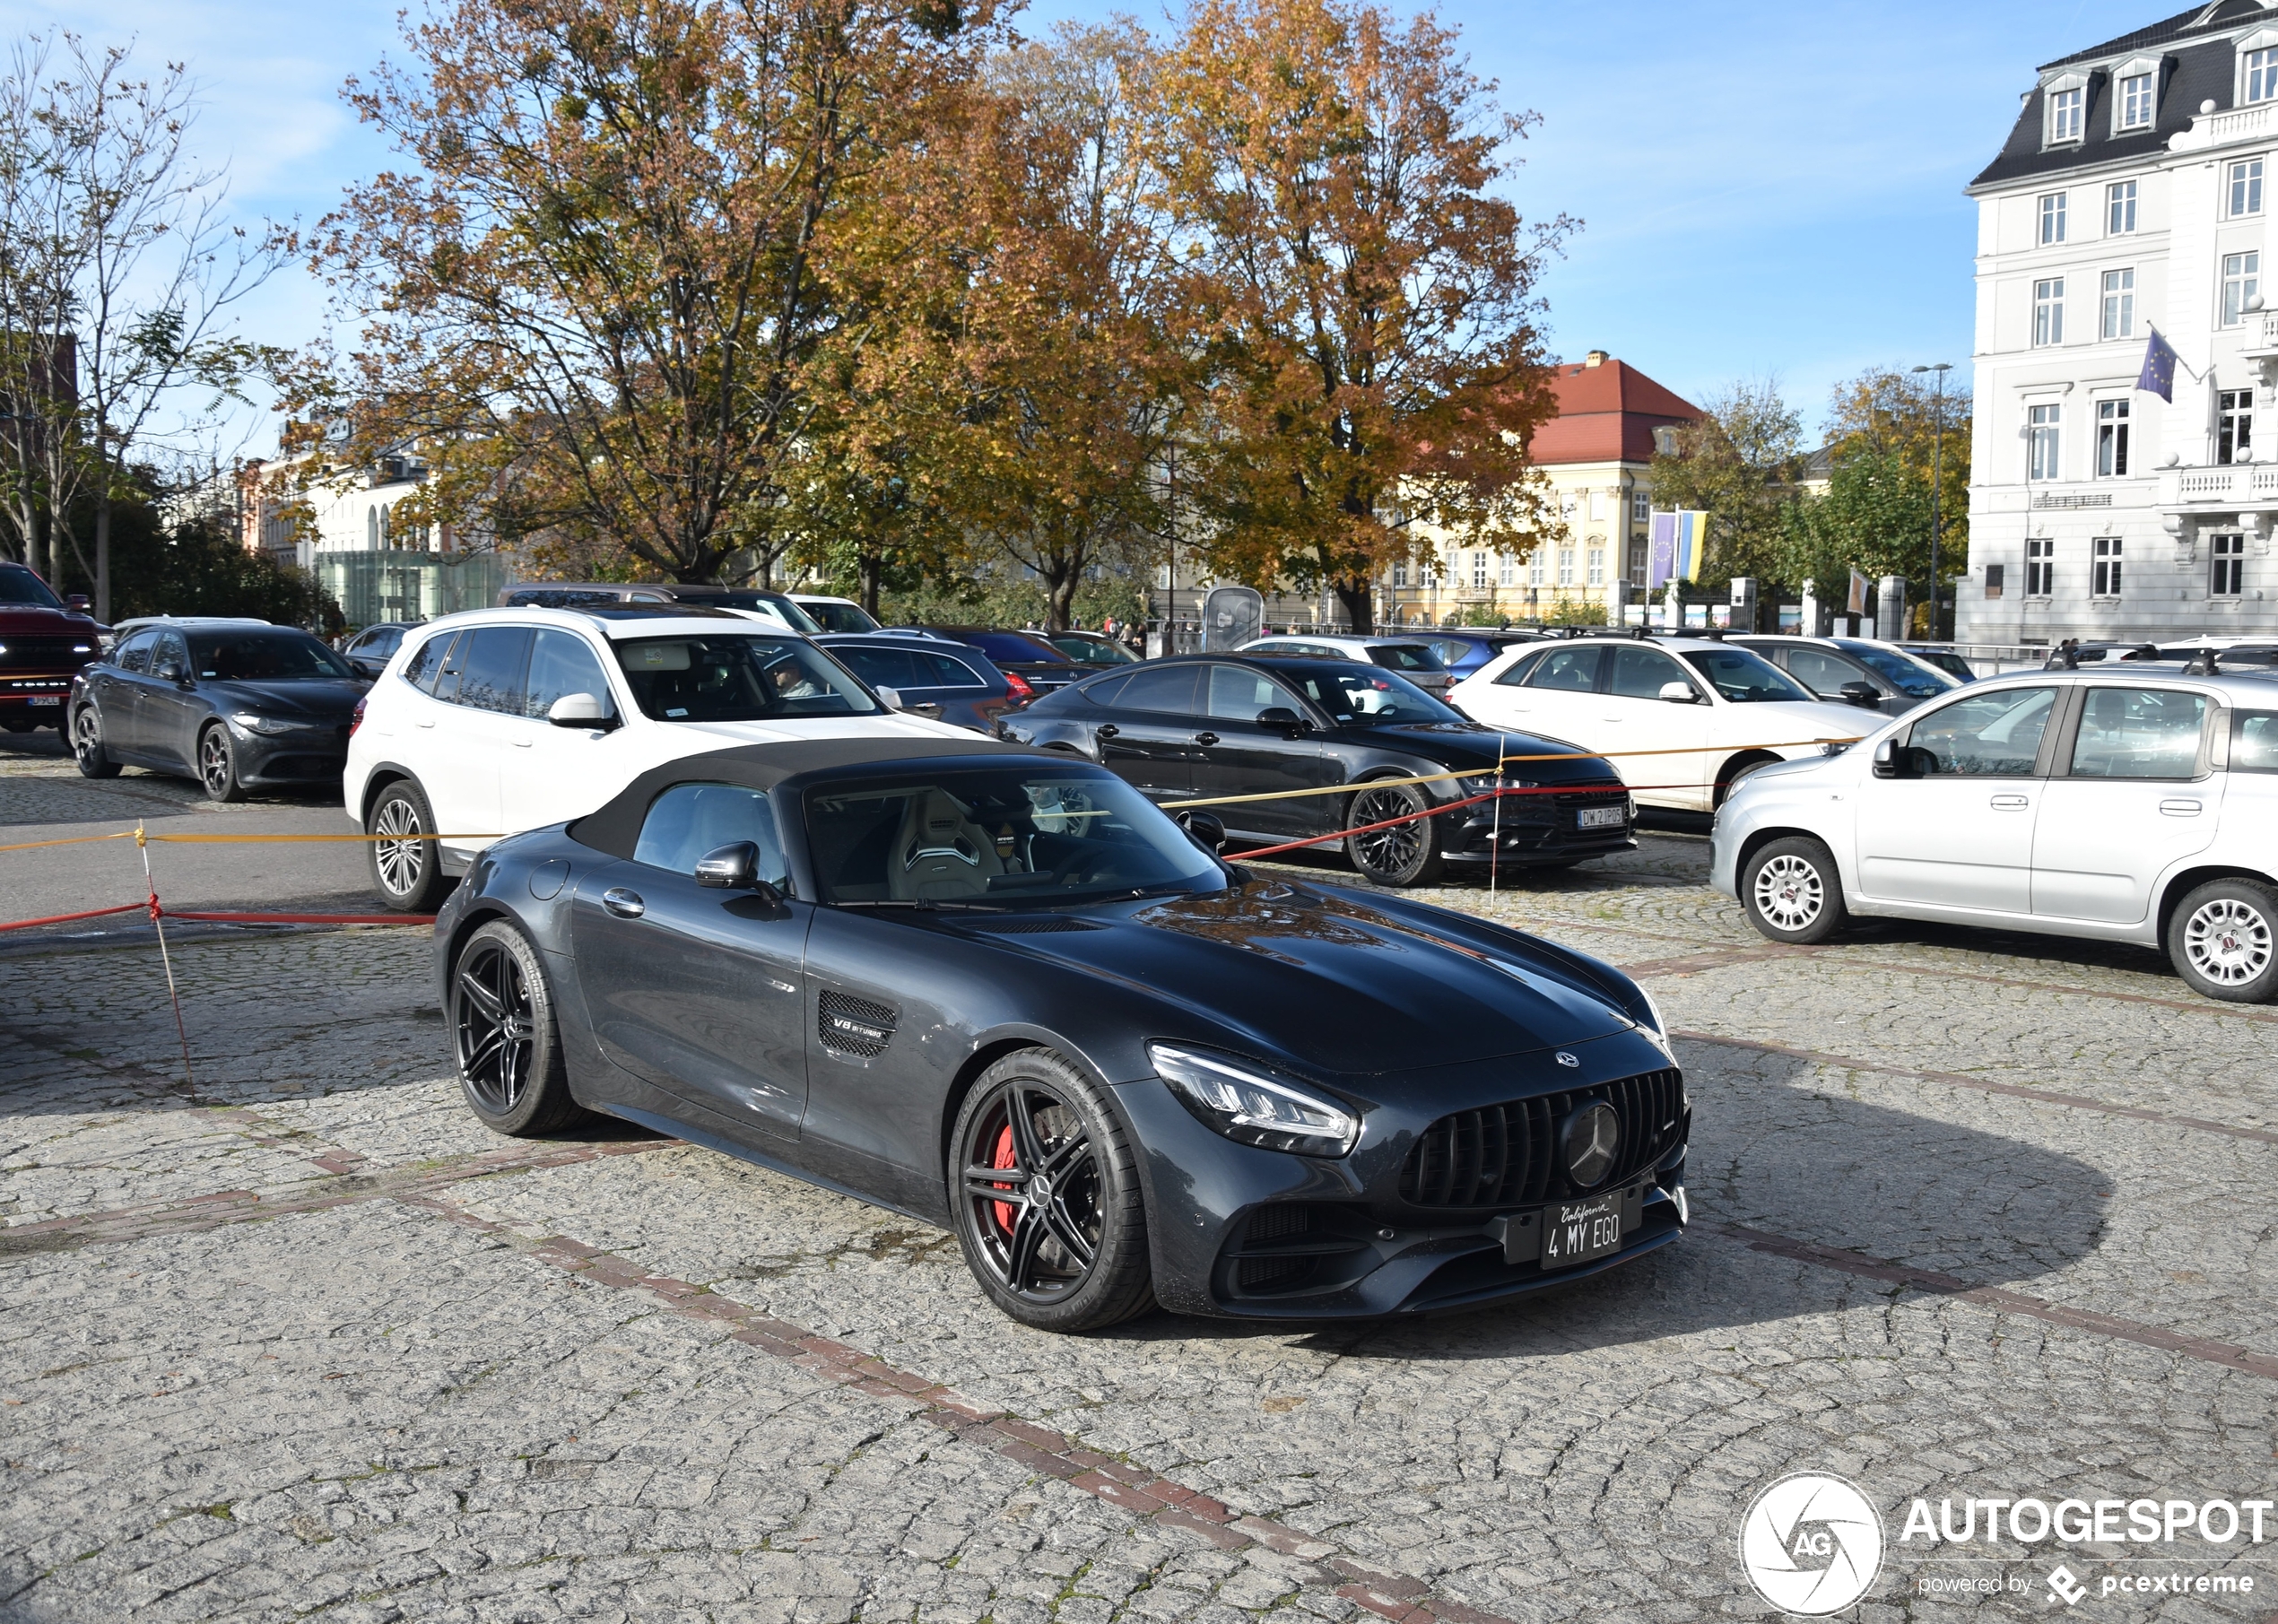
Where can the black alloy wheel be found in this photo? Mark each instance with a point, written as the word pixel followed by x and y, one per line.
pixel 1406 854
pixel 217 765
pixel 87 745
pixel 1048 1205
pixel 406 864
pixel 2222 939
pixel 505 1037
pixel 1792 892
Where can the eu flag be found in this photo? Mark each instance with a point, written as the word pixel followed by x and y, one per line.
pixel 2157 377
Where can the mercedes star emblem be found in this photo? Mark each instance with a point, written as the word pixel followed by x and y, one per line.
pixel 1592 1140
pixel 1566 1059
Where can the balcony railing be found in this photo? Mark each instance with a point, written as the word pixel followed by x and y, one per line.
pixel 2244 482
pixel 2256 122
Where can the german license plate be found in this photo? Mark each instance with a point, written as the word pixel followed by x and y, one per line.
pixel 46 699
pixel 1599 817
pixel 1577 1231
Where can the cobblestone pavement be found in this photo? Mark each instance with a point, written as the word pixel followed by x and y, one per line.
pixel 1974 1217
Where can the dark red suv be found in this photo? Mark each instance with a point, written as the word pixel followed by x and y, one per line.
pixel 43 642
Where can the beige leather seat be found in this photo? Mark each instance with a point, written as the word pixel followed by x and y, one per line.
pixel 940 852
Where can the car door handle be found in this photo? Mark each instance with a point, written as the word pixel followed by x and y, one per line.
pixel 2011 802
pixel 1206 738
pixel 624 904
pixel 2181 808
pixel 423 722
pixel 522 744
pixel 1107 730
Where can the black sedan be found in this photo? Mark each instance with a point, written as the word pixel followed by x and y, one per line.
pixel 998 991
pixel 953 682
pixel 1202 727
pixel 237 706
pixel 1026 655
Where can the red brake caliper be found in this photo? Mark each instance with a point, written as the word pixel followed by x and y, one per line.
pixel 1002 1210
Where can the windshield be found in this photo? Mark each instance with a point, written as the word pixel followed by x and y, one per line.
pixel 20 585
pixel 726 678
pixel 1366 696
pixel 772 604
pixel 1405 657
pixel 1098 651
pixel 1742 677
pixel 1031 835
pixel 264 656
pixel 1915 679
pixel 1016 647
pixel 839 617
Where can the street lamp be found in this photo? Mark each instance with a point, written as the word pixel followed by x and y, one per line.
pixel 1937 450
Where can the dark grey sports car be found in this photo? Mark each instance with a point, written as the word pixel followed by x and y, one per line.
pixel 997 989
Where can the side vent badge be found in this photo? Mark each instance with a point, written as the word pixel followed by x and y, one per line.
pixel 854 1026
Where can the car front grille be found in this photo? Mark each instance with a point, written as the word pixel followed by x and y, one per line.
pixel 44 654
pixel 1507 1155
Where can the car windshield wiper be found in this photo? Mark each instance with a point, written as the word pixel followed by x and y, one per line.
pixel 922 904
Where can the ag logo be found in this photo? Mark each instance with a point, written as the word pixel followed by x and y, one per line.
pixel 1812 1543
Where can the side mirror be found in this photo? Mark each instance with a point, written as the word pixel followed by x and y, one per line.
pixel 1204 828
pixel 1861 694
pixel 80 601
pixel 170 670
pixel 1680 693
pixel 1284 718
pixel 580 711
pixel 1893 759
pixel 891 698
pixel 735 868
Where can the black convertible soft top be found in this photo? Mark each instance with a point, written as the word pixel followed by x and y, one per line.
pixel 615 829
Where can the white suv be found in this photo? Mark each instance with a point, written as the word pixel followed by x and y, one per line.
pixel 1683 718
pixel 492 722
pixel 1413 658
pixel 2134 804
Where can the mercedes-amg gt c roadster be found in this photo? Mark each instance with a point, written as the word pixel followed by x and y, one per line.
pixel 998 989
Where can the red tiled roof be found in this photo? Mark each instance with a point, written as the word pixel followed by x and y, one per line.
pixel 1606 412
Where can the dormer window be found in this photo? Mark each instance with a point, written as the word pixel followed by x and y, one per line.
pixel 2066 113
pixel 2138 97
pixel 2258 71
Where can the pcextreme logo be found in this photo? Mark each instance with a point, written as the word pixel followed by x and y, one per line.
pixel 1812 1543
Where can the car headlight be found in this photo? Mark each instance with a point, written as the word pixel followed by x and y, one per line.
pixel 1243 1103
pixel 252 722
pixel 1653 1016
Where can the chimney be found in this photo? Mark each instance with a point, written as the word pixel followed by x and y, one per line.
pixel 1596 358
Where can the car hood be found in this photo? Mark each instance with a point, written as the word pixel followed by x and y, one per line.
pixel 1325 979
pixel 331 699
pixel 1814 720
pixel 35 620
pixel 917 729
pixel 1474 744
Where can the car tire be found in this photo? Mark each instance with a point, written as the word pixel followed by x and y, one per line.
pixel 407 872
pixel 1076 1260
pixel 1793 891
pixel 505 1038
pixel 1407 854
pixel 87 744
pixel 217 765
pixel 2220 941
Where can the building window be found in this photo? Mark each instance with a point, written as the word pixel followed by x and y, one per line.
pixel 2234 425
pixel 1399 576
pixel 1637 563
pixel 2246 187
pixel 1478 572
pixel 1597 568
pixel 2119 304
pixel 2041 439
pixel 1506 569
pixel 2229 569
pixel 2052 218
pixel 371 529
pixel 1428 575
pixel 2049 311
pixel 1536 568
pixel 2104 572
pixel 2040 568
pixel 1640 508
pixel 2241 282
pixel 2064 115
pixel 1993 574
pixel 1566 566
pixel 2112 439
pixel 2119 207
pixel 1597 504
pixel 2137 100
pixel 2262 73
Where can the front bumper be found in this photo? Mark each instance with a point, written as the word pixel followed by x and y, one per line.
pixel 39 697
pixel 305 756
pixel 1243 1233
pixel 1538 829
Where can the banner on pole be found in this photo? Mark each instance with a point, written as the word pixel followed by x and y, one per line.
pixel 1677 541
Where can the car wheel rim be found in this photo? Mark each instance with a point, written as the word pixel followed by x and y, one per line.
pixel 87 738
pixel 213 761
pixel 1789 892
pixel 1032 1192
pixel 496 1027
pixel 2228 942
pixel 1387 851
pixel 400 853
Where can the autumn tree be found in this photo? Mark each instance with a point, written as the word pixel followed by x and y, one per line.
pixel 599 291
pixel 1876 514
pixel 1365 297
pixel 1738 463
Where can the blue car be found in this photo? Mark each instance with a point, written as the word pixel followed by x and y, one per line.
pixel 1463 649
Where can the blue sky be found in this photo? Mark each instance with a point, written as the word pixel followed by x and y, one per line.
pixel 1767 187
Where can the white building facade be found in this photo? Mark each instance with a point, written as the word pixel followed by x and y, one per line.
pixel 2134 192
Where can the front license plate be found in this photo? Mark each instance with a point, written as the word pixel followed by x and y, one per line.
pixel 45 698
pixel 1599 817
pixel 1576 1231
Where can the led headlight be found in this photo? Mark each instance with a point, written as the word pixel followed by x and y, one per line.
pixel 1243 1103
pixel 1653 1016
pixel 263 725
